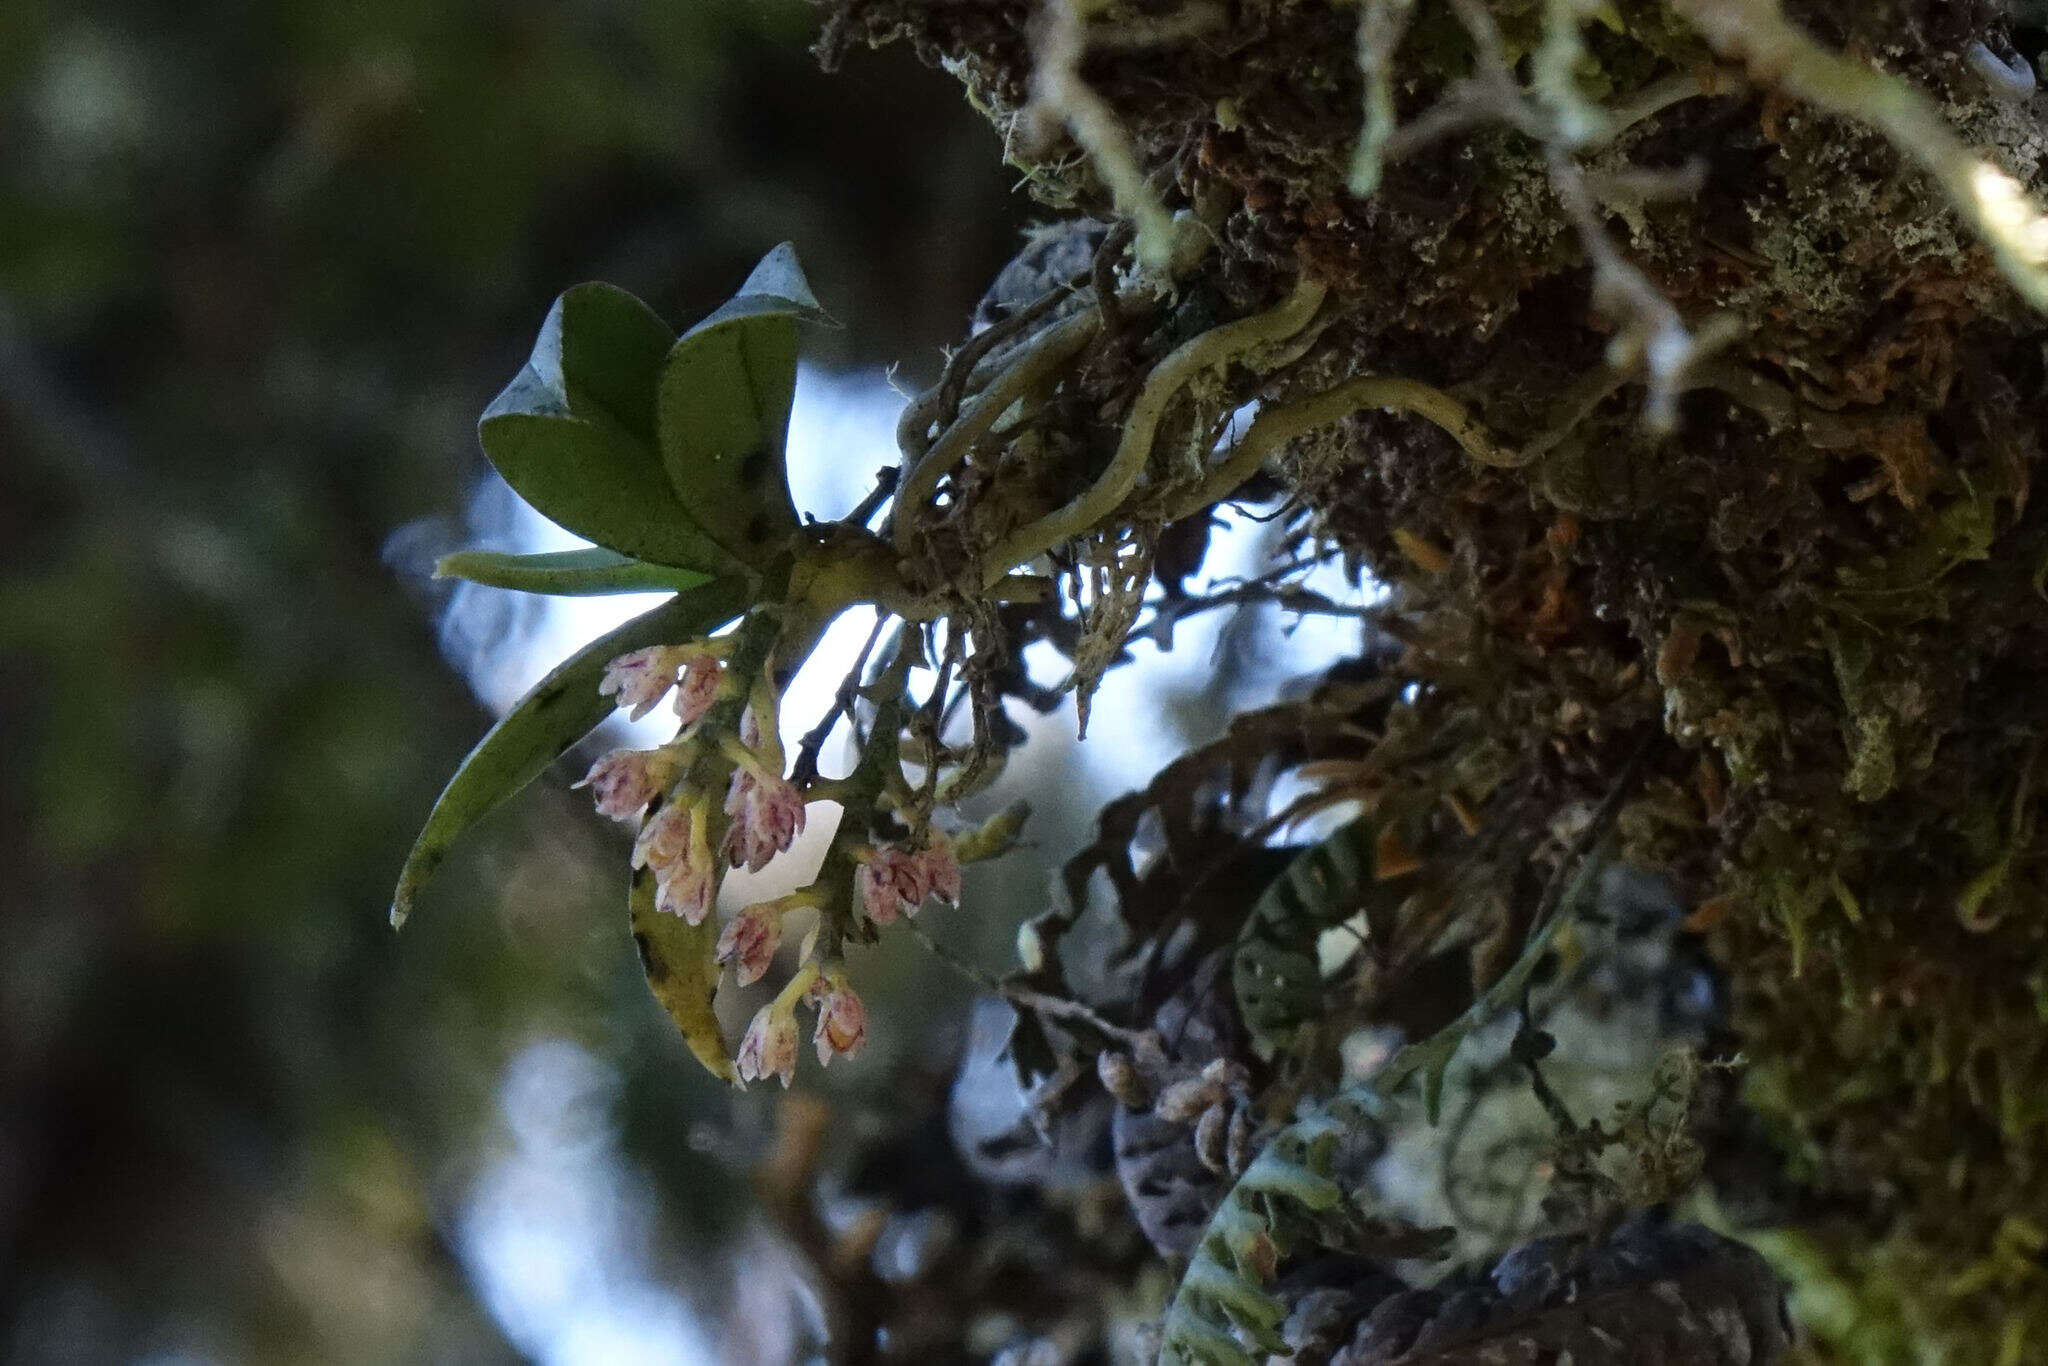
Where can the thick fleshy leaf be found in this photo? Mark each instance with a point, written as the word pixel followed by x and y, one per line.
pixel 723 409
pixel 590 572
pixel 677 957
pixel 774 288
pixel 610 347
pixel 559 711
pixel 593 478
pixel 573 433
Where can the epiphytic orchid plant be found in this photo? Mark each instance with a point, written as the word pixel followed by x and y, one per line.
pixel 667 454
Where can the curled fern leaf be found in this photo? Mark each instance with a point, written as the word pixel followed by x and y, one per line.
pixel 1279 1195
pixel 1275 972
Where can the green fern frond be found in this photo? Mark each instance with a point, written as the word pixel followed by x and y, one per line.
pixel 1279 1195
pixel 1275 972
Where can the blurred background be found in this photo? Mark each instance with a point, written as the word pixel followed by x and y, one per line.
pixel 261 266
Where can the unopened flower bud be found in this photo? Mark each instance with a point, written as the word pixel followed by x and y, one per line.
pixel 941 869
pixel 701 676
pixel 767 815
pixel 777 811
pixel 688 890
pixel 625 780
pixel 665 839
pixel 750 940
pixel 641 679
pixel 769 1047
pixel 842 1019
pixel 890 881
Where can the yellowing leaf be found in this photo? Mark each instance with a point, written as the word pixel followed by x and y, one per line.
pixel 676 956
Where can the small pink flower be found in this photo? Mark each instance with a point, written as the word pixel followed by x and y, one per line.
pixel 750 940
pixel 891 880
pixel 643 678
pixel 688 890
pixel 674 844
pixel 625 780
pixel 767 815
pixel 769 1048
pixel 701 677
pixel 842 1019
pixel 666 838
pixel 778 811
pixel 941 868
pixel 734 849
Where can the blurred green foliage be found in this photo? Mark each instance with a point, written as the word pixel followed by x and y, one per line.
pixel 260 267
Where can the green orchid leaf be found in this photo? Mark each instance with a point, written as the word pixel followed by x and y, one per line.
pixel 774 288
pixel 589 572
pixel 723 409
pixel 574 432
pixel 560 710
pixel 593 479
pixel 610 347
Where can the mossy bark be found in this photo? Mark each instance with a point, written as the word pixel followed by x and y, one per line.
pixel 1825 586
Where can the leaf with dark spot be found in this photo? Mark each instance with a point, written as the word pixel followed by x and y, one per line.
pixel 723 410
pixel 558 712
pixel 677 957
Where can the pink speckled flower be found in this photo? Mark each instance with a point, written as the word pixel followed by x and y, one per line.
pixel 750 940
pixel 675 844
pixel 767 815
pixel 625 780
pixel 941 868
pixel 890 881
pixel 842 1019
pixel 701 677
pixel 687 889
pixel 769 1048
pixel 643 678
pixel 666 838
